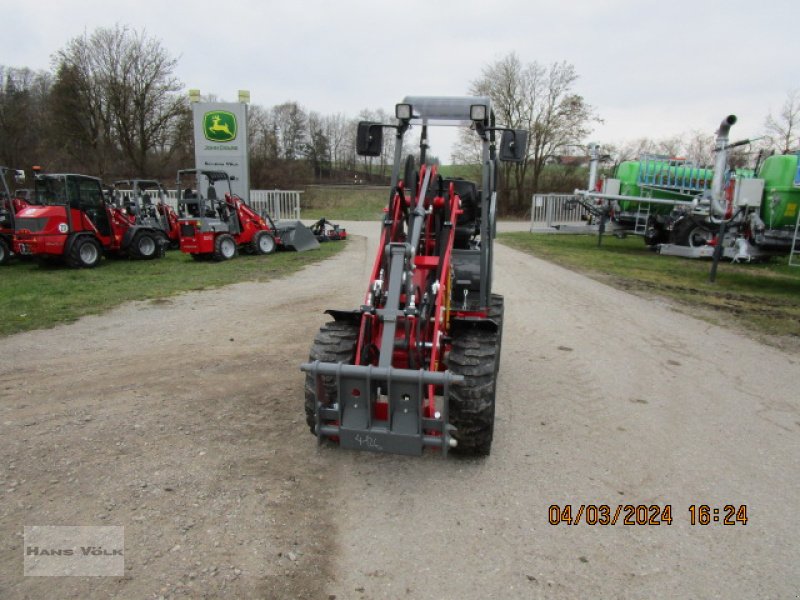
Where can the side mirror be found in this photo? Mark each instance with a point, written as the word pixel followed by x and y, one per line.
pixel 369 140
pixel 513 145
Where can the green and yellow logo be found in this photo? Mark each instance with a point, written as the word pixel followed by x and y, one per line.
pixel 219 126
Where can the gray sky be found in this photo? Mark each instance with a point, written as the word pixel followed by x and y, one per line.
pixel 648 68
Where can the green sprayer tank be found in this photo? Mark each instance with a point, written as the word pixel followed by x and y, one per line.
pixel 781 175
pixel 661 179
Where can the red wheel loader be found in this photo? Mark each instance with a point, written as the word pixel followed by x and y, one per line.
pixel 416 365
pixel 214 227
pixel 217 227
pixel 74 223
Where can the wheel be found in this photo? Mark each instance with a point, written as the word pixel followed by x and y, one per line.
pixel 700 236
pixel 224 247
pixel 496 314
pixel 144 246
pixel 85 253
pixel 654 235
pixel 335 342
pixel 688 232
pixel 264 243
pixel 474 355
pixel 5 251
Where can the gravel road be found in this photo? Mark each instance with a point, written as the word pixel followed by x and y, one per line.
pixel 182 421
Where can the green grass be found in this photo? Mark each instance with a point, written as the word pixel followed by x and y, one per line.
pixel 761 298
pixel 343 203
pixel 34 297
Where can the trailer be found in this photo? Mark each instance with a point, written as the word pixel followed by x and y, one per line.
pixel 683 209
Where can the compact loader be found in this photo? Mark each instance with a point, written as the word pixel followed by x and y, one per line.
pixel 218 227
pixel 74 223
pixel 416 365
pixel 147 205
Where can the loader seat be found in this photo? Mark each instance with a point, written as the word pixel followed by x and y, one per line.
pixel 467 221
pixel 211 196
pixel 192 203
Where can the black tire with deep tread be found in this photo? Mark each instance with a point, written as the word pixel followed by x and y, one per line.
pixel 218 255
pixel 496 314
pixel 336 343
pixel 5 251
pixel 74 259
pixel 474 355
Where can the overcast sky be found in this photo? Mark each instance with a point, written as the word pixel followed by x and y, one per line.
pixel 648 68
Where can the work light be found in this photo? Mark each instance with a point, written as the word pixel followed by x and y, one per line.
pixel 403 111
pixel 477 112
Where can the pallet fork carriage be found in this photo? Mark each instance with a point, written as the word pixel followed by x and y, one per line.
pixel 416 365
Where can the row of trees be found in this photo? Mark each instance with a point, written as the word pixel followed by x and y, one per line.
pixel 112 106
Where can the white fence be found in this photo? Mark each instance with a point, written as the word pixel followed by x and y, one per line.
pixel 278 204
pixel 548 210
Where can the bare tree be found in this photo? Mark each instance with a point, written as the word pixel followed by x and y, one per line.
pixel 783 130
pixel 541 100
pixel 698 146
pixel 318 147
pixel 292 125
pixel 337 130
pixel 23 97
pixel 116 91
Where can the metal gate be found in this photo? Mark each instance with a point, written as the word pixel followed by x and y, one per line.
pixel 548 210
pixel 278 204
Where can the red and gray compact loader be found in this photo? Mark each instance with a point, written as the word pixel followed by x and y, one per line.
pixel 217 227
pixel 416 365
pixel 74 223
pixel 145 201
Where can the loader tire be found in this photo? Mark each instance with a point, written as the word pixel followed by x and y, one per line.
pixel 336 343
pixel 474 355
pixel 85 253
pixel 144 246
pixel 496 314
pixel 224 247
pixel 263 243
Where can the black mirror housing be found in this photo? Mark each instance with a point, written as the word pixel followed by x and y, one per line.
pixel 369 140
pixel 513 145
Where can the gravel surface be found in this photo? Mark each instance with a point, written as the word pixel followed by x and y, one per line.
pixel 182 420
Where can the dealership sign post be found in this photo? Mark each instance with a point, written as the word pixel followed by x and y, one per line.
pixel 220 140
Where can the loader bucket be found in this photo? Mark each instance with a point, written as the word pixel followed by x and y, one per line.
pixel 296 236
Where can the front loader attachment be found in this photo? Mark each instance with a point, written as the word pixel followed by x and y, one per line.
pixel 380 409
pixel 296 236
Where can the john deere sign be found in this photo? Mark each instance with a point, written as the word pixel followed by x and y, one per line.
pixel 219 126
pixel 220 141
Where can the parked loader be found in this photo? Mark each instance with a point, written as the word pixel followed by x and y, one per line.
pixel 147 205
pixel 215 224
pixel 416 365
pixel 74 223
